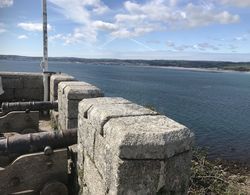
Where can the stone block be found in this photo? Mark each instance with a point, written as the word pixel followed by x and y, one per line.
pixel 8 95
pixel 86 136
pixel 54 118
pixel 29 94
pixel 81 92
pixel 32 81
pixel 104 158
pixel 175 174
pixel 135 177
pixel 86 104
pixel 54 81
pixel 93 179
pixel 71 108
pixel 61 121
pixel 69 95
pixel 12 83
pixel 100 114
pixel 71 123
pixel 147 137
pixel 62 85
pixel 131 150
pixel 65 123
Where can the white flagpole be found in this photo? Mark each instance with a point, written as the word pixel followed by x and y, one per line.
pixel 45 37
pixel 45 53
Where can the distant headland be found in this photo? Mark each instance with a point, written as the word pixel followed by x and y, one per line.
pixel 189 64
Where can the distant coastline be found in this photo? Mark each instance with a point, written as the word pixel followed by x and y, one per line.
pixel 210 66
pixel 215 70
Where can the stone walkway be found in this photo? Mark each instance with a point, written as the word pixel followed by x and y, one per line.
pixel 45 124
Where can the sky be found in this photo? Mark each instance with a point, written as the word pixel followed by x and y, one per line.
pixel 134 29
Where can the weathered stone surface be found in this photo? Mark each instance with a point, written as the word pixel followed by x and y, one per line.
pixel 8 95
pixel 62 85
pixel 69 95
pixel 54 118
pixel 18 74
pixel 19 121
pixel 98 115
pixel 147 137
pixel 85 104
pixel 54 81
pixel 135 177
pixel 19 86
pixel 32 82
pixel 71 123
pixel 104 158
pixel 81 92
pixel 86 136
pixel 175 173
pixel 12 82
pixel 93 179
pixel 29 94
pixel 71 109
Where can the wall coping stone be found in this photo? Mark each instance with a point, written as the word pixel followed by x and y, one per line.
pixel 20 73
pixel 147 137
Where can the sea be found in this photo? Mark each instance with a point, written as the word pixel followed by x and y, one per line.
pixel 214 104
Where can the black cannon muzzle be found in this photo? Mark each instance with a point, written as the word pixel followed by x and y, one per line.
pixel 36 142
pixel 31 106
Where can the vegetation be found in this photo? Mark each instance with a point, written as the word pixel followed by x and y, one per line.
pixel 237 66
pixel 208 178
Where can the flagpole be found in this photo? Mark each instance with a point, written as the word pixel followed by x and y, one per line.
pixel 45 52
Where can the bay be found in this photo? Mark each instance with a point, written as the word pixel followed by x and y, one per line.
pixel 215 105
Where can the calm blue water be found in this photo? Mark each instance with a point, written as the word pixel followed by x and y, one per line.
pixel 216 106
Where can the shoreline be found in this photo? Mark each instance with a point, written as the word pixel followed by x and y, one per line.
pixel 212 70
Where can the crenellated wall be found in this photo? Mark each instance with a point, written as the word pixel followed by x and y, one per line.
pixel 124 148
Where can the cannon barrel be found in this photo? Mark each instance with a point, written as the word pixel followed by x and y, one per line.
pixel 36 142
pixel 32 106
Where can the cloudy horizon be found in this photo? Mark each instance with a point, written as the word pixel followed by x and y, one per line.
pixel 145 29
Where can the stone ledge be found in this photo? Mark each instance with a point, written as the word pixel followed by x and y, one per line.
pixel 82 91
pixel 86 104
pixel 147 137
pixel 98 115
pixel 55 80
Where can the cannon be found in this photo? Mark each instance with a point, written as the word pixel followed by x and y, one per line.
pixel 41 164
pixel 35 142
pixel 31 106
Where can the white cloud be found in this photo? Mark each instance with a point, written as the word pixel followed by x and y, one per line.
pixel 198 16
pixel 29 26
pixel 139 18
pixel 78 36
pixel 2 28
pixel 129 18
pixel 104 25
pixel 22 37
pixel 206 46
pixel 239 3
pixel 155 15
pixel 80 11
pixel 183 47
pixel 6 3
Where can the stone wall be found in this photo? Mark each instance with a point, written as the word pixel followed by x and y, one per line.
pixel 69 95
pixel 55 79
pixel 22 86
pixel 124 148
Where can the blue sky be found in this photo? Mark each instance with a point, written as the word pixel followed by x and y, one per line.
pixel 145 29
